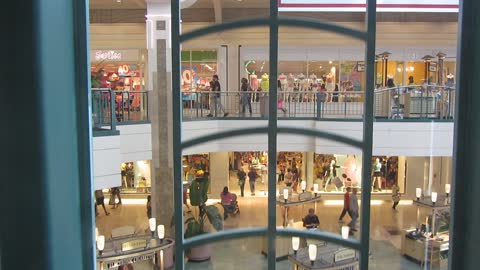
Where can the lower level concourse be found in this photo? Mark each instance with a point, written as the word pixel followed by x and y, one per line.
pixel 387 230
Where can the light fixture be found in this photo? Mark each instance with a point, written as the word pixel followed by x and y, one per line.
pixel 315 189
pixel 101 243
pixel 153 224
pixel 345 232
pixel 447 189
pixel 434 197
pixel 303 184
pixel 161 232
pixel 278 193
pixel 96 233
pixel 295 244
pixel 285 195
pixel 312 253
pixel 418 192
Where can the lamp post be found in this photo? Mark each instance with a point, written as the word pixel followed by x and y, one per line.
pixel 101 243
pixel 434 197
pixel 152 224
pixel 447 189
pixel 315 189
pixel 441 58
pixel 312 253
pixel 418 193
pixel 427 59
pixel 384 57
pixel 345 232
pixel 295 244
pixel 303 185
pixel 161 232
pixel 285 195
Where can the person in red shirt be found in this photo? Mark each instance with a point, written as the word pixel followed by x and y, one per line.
pixel 346 203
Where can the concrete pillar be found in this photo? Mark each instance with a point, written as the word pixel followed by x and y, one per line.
pixel 219 173
pixel 159 81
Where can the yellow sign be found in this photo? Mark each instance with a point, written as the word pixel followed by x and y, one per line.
pixel 134 244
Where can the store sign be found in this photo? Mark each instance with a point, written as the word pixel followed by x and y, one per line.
pixel 107 55
pixel 134 244
pixel 344 254
pixel 359 5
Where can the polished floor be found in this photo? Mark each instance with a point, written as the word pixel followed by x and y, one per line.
pixel 385 226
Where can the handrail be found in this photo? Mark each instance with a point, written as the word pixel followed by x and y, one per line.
pixel 128 106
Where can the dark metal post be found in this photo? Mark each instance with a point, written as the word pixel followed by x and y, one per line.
pixel 177 135
pixel 48 139
pixel 371 26
pixel 464 236
pixel 272 135
pixel 113 115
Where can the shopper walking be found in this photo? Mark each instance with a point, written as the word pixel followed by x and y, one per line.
pixel 288 178
pixel 346 205
pixel 252 176
pixel 241 180
pixel 245 96
pixel 149 206
pixel 116 195
pixel 215 99
pixel 281 175
pixel 353 206
pixel 100 198
pixel 395 196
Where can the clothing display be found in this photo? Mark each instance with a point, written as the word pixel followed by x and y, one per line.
pixel 265 83
pixel 254 82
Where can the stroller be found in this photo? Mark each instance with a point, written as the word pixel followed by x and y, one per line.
pixel 232 209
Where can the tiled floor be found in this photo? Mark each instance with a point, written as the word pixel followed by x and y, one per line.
pixel 246 253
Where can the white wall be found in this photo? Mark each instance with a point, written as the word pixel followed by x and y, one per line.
pixel 135 142
pixel 106 162
pixel 390 138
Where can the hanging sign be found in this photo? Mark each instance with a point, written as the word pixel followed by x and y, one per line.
pixel 359 5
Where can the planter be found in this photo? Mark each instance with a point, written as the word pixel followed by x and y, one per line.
pixel 200 253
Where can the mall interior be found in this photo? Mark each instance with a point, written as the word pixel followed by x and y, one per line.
pixel 151 179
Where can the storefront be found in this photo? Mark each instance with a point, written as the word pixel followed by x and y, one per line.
pixel 118 69
pixel 136 177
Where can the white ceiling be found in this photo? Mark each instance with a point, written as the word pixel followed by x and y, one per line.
pixel 141 4
pixel 114 4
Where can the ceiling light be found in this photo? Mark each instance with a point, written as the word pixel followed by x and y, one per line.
pixel 118 1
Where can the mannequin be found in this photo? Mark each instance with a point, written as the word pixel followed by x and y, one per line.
pixel 331 173
pixel 377 174
pixel 351 168
pixel 265 83
pixel 330 85
pixel 254 85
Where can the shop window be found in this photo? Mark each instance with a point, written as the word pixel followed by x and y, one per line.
pixel 136 177
pixel 197 69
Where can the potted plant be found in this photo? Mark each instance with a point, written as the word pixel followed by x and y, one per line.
pixel 197 218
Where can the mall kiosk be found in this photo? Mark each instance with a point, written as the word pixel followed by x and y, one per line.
pixel 136 249
pixel 327 256
pixel 429 242
pixel 286 199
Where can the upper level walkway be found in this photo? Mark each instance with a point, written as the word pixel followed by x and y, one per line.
pixel 402 103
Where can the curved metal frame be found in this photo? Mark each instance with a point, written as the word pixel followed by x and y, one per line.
pixel 273 21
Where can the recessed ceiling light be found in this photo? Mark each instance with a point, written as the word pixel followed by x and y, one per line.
pixel 118 1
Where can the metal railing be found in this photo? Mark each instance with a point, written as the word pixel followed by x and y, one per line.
pixel 129 107
pixel 413 101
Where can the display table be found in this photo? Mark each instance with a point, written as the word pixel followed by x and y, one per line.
pixel 329 257
pixel 132 249
pixel 425 244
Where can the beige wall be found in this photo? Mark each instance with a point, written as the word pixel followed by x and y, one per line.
pixel 118 36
